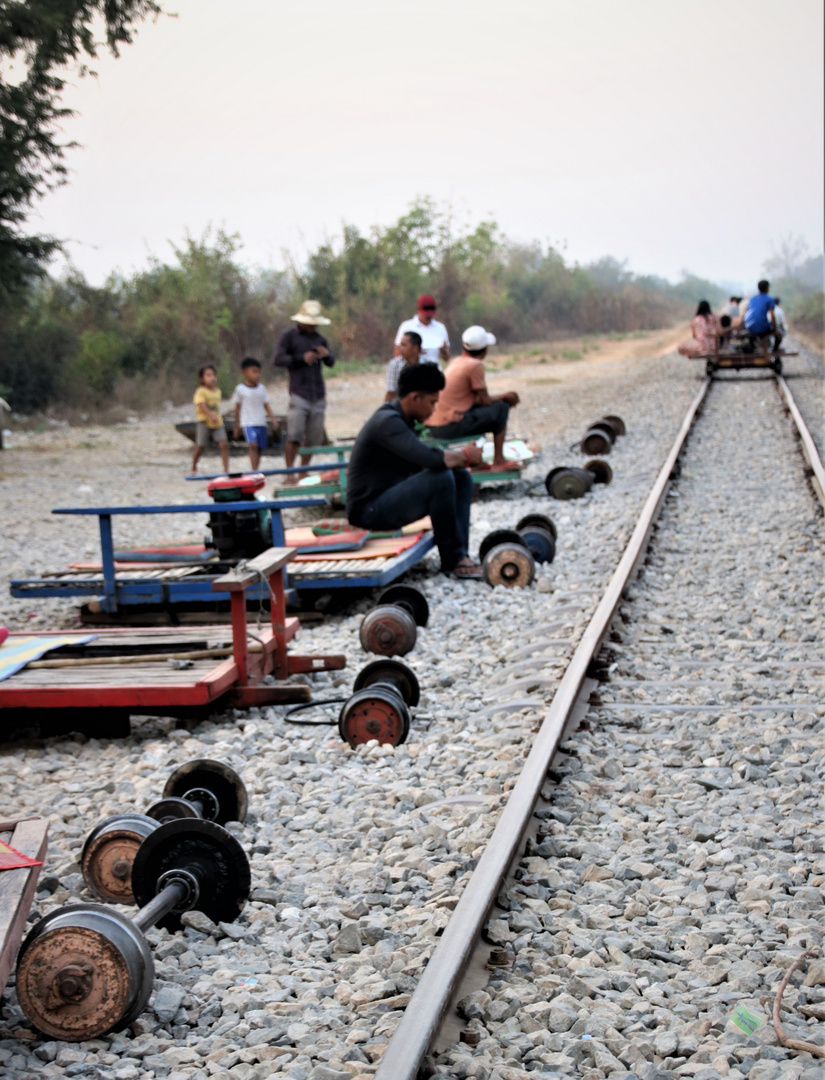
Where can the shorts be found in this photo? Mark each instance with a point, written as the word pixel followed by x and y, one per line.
pixel 305 421
pixel 208 436
pixel 257 436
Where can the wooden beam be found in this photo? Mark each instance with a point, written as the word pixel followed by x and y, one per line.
pixel 17 888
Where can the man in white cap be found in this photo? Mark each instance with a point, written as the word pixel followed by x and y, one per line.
pixel 301 351
pixel 465 406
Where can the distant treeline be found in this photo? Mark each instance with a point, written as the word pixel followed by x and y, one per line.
pixel 139 340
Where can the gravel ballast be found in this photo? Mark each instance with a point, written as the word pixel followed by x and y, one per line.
pixel 679 866
pixel 358 856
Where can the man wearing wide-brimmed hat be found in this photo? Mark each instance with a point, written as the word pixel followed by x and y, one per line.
pixel 301 351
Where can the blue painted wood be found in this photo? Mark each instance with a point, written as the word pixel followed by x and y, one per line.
pixel 198 588
pixel 194 508
pixel 324 467
pixel 368 580
pixel 107 555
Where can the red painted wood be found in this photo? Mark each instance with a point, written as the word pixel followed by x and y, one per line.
pixel 299 665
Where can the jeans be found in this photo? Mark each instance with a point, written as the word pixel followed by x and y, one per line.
pixel 445 496
pixel 476 421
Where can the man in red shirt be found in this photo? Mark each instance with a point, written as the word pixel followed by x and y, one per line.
pixel 465 406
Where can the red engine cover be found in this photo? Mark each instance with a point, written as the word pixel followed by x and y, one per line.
pixel 245 485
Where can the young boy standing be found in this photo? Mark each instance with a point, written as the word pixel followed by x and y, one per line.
pixel 210 427
pixel 409 352
pixel 251 403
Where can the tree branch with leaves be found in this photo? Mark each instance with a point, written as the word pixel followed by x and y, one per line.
pixel 41 43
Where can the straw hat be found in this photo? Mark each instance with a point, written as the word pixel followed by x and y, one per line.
pixel 310 314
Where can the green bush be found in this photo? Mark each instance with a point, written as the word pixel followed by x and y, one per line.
pixel 92 372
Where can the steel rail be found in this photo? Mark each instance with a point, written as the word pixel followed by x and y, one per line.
pixel 427 1006
pixel 808 446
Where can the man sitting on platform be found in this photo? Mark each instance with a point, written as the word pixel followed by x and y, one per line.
pixel 393 479
pixel 466 407
pixel 760 321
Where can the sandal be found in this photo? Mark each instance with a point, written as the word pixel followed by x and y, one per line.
pixel 470 571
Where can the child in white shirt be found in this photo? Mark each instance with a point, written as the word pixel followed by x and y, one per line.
pixel 251 403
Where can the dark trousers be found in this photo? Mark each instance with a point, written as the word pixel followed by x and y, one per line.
pixel 476 421
pixel 445 496
pixel 765 334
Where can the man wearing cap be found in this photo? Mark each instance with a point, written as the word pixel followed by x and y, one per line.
pixel 465 407
pixel 394 479
pixel 435 344
pixel 301 351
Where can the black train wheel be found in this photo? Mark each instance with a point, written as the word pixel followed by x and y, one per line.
pixel 541 520
pixel 602 473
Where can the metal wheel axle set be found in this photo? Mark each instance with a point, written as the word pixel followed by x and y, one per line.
pixel 87 969
pixel 570 481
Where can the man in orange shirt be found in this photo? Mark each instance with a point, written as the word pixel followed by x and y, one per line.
pixel 465 407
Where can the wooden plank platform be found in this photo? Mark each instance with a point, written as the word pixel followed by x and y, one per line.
pixel 137 685
pixel 17 887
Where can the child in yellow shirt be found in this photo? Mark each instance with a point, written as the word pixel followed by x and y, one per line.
pixel 210 427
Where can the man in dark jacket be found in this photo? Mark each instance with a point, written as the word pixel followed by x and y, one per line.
pixel 394 478
pixel 301 351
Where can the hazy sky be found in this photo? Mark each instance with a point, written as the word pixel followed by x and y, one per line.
pixel 674 133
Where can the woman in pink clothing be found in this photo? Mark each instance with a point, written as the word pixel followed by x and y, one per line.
pixel 705 329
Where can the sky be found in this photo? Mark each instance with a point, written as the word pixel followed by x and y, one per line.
pixel 679 135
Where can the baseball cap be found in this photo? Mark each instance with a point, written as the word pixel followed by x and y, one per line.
pixel 426 301
pixel 476 337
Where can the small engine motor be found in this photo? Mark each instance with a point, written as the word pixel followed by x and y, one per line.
pixel 239 534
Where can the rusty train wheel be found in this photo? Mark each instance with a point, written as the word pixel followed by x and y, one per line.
pixel 375 713
pixel 84 970
pixel 108 854
pixel 388 630
pixel 513 567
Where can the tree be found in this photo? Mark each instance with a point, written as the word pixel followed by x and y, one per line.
pixel 40 42
pixel 787 256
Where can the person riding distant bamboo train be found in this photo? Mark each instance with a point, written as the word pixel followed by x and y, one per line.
pixel 435 342
pixel 409 353
pixel 466 407
pixel 209 428
pixel 705 329
pixel 760 319
pixel 394 479
pixel 251 403
pixel 302 351
pixel 781 321
pixel 731 309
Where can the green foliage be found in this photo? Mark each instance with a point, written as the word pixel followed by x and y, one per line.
pixel 148 333
pixel 39 41
pixel 807 313
pixel 93 370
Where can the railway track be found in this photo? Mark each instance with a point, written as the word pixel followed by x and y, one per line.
pixel 736 491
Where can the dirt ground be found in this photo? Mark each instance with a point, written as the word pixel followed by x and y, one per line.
pixel 145 462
